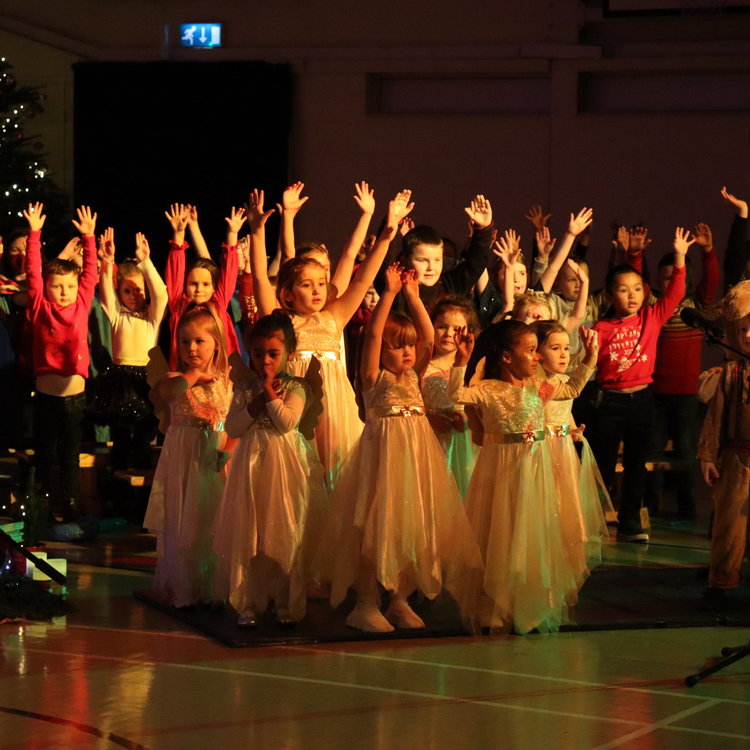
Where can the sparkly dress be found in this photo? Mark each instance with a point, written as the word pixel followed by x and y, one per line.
pixel 584 497
pixel 187 487
pixel 397 505
pixel 339 425
pixel 275 485
pixel 456 443
pixel 530 575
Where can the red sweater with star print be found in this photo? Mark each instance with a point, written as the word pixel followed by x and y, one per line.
pixel 627 346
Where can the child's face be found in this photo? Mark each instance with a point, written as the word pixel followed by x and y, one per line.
pixel 521 360
pixel 132 293
pixel 268 354
pixel 370 299
pixel 427 261
pixel 61 288
pixel 627 294
pixel 446 324
pixel 530 313
pixel 197 346
pixel 199 286
pixel 567 284
pixel 310 290
pixel 520 278
pixel 324 261
pixel 397 359
pixel 664 277
pixel 16 253
pixel 555 352
pixel 743 334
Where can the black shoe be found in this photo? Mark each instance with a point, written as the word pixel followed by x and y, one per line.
pixel 631 532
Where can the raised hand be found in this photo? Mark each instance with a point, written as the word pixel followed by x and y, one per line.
pixel 638 239
pixel 409 283
pixel 34 215
pixel 142 249
pixel 537 217
pixel 256 216
pixel 507 248
pixel 543 242
pixel 71 250
pixel 479 211
pixel 107 245
pixel 399 208
pixel 580 221
pixel 703 236
pixel 737 204
pixel 393 278
pixel 590 341
pixel 177 216
pixel 292 200
pixel 577 270
pixel 464 341
pixel 86 223
pixel 364 198
pixel 192 213
pixel 682 240
pixel 405 226
pixel 235 220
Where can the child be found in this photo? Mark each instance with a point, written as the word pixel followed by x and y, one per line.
pixel 187 484
pixel 204 283
pixel 274 479
pixel 59 300
pixel 623 409
pixel 447 418
pixel 585 497
pixel 396 516
pixel 318 319
pixel 724 452
pixel 134 305
pixel 530 577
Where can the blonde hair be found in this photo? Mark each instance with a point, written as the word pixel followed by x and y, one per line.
pixel 205 315
pixel 398 331
pixel 527 300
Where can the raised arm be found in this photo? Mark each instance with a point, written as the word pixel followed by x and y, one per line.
pixel 576 225
pixel 421 319
pixel 578 313
pixel 174 274
pixel 736 256
pixel 157 289
pixel 201 248
pixel 291 203
pixel 365 199
pixel 346 305
pixel 709 283
pixel 508 249
pixel 34 215
pixel 456 390
pixel 545 243
pixel 265 297
pixel 372 341
pixel 107 295
pixel 86 225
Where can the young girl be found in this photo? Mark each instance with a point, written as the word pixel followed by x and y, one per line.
pixel 513 501
pixel 396 516
pixel 447 418
pixel 204 283
pixel 318 321
pixel 274 479
pixel 188 484
pixel 585 497
pixel 134 305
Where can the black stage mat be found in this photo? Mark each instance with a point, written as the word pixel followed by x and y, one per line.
pixel 615 598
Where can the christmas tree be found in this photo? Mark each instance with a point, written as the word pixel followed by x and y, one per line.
pixel 24 176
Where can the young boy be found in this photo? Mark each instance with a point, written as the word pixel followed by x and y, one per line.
pixel 624 404
pixel 724 452
pixel 60 296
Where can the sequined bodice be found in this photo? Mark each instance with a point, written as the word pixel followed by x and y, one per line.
pixel 559 412
pixel 510 409
pixel 317 332
pixel 434 385
pixel 390 396
pixel 204 406
pixel 253 387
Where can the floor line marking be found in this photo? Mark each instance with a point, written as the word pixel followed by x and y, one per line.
pixel 153 633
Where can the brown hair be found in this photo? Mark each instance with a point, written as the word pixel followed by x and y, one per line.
pixel 288 275
pixel 399 330
pixel 209 265
pixel 462 305
pixel 61 268
pixel 545 328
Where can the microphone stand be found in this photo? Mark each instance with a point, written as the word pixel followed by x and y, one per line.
pixel 731 654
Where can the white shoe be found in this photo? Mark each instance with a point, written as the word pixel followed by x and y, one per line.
pixel 400 614
pixel 368 618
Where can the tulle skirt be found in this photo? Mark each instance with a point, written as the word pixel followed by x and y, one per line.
pixel 531 575
pixel 339 425
pixel 119 396
pixel 461 454
pixel 397 509
pixel 269 518
pixel 185 494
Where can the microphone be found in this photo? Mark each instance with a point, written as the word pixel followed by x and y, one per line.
pixel 693 319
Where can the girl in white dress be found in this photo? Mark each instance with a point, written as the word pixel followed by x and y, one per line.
pixel 396 517
pixel 274 480
pixel 188 482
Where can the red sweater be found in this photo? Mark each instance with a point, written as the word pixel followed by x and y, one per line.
pixel 60 334
pixel 178 300
pixel 627 346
